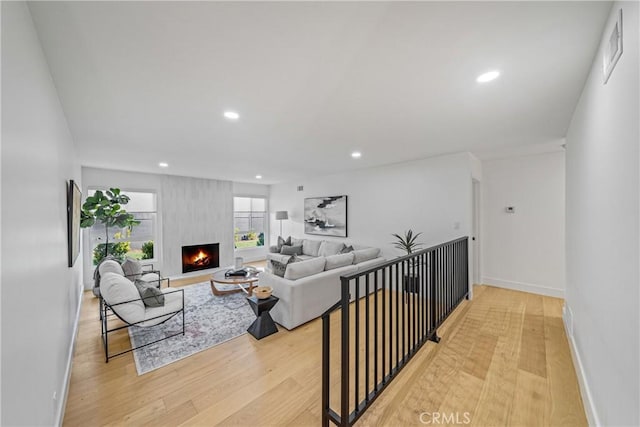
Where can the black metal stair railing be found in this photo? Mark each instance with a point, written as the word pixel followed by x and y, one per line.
pixel 387 314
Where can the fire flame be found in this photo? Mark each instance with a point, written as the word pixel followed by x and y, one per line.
pixel 201 255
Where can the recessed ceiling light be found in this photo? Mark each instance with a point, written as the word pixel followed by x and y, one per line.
pixel 258 176
pixel 231 115
pixel 163 164
pixel 488 76
pixel 356 154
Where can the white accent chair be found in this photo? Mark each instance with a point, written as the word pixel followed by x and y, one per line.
pixel 120 296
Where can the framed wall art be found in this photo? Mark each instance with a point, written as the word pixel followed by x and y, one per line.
pixel 74 203
pixel 326 216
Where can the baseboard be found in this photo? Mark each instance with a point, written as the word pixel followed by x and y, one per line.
pixel 259 257
pixel 585 391
pixel 524 287
pixel 67 373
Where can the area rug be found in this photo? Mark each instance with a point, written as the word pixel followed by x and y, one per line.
pixel 209 320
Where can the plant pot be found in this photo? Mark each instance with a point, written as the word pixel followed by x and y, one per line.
pixel 411 284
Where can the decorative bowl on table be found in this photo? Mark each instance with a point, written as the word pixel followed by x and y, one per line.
pixel 262 292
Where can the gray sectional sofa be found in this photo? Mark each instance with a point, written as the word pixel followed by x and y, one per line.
pixel 311 285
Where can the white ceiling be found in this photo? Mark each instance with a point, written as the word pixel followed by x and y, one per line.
pixel 143 82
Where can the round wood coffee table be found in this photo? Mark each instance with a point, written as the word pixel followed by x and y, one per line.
pixel 245 283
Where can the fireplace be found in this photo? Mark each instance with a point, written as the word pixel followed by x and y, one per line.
pixel 200 257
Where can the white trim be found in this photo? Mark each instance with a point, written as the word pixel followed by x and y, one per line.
pixel 585 391
pixel 524 287
pixel 67 373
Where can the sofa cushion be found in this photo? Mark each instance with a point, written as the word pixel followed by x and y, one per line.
pixel 362 255
pixel 339 260
pixel 172 303
pixel 116 289
pixel 150 294
pixel 330 248
pixel 346 249
pixel 132 268
pixel 110 266
pixel 311 247
pixel 296 242
pixel 306 268
pixel 291 250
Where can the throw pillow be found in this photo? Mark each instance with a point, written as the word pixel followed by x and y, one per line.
pixel 291 250
pixel 296 242
pixel 151 296
pixel 347 249
pixel 330 248
pixel 311 247
pixel 132 268
pixel 282 242
pixel 278 268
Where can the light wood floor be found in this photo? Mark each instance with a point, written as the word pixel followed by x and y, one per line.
pixel 503 360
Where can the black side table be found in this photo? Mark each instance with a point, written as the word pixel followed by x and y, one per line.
pixel 264 325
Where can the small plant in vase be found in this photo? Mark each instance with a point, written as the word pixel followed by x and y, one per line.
pixel 409 243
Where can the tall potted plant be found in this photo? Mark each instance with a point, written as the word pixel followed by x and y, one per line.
pixel 409 243
pixel 106 208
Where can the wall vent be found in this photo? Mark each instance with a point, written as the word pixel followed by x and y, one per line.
pixel 300 187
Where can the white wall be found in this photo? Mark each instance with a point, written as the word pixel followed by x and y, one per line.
pixel 40 294
pixel 524 250
pixel 603 224
pixel 429 195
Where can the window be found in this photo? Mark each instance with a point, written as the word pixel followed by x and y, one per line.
pixel 139 243
pixel 249 221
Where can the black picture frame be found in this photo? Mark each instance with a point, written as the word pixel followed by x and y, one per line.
pixel 326 216
pixel 74 204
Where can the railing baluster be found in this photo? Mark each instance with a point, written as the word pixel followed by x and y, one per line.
pixel 421 299
pixel 326 360
pixel 416 305
pixel 434 277
pixel 397 317
pixel 384 310
pixel 366 340
pixel 416 312
pixel 344 362
pixel 356 349
pixel 375 333
pixel 404 310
